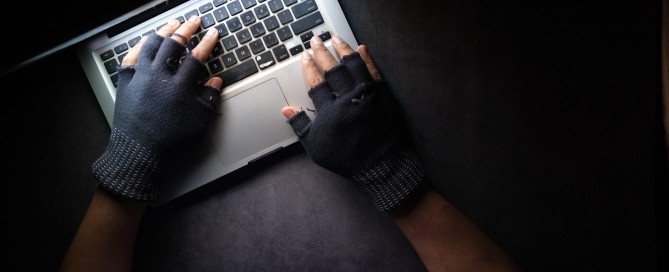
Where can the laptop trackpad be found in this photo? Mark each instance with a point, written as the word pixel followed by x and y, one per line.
pixel 251 122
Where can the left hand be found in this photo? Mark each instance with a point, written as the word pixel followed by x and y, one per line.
pixel 162 101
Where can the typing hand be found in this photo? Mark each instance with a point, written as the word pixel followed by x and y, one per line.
pixel 161 102
pixel 357 131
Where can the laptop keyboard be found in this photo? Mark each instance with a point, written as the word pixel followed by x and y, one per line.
pixel 251 35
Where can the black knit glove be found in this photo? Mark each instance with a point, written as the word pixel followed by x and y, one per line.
pixel 160 103
pixel 357 133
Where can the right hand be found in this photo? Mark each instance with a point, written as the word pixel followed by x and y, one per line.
pixel 358 128
pixel 356 117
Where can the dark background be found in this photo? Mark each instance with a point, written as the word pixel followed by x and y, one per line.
pixel 539 120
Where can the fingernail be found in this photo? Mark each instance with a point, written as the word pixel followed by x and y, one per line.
pixel 337 39
pixel 316 40
pixel 289 112
pixel 306 56
pixel 173 22
pixel 211 32
pixel 362 49
pixel 193 18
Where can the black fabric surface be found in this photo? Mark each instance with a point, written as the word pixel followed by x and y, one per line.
pixel 539 120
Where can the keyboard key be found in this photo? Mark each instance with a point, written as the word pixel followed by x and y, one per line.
pixel 271 23
pixel 229 59
pixel 229 43
pixel 205 8
pixel 114 80
pixel 243 53
pixel 285 17
pixel 111 66
pixel 307 23
pixel 248 3
pixel 256 46
pixel 192 43
pixel 219 2
pixel 270 40
pixel 280 52
pixel 121 48
pixel 261 11
pixel 306 36
pixel 243 36
pixel 265 60
pixel 234 24
pixel 304 8
pixel 296 50
pixel 289 2
pixel 248 18
pixel 107 55
pixel 217 50
pixel 221 14
pixel 148 33
pixel 191 14
pixel 239 72
pixel 222 31
pixel 284 33
pixel 215 66
pixel 207 21
pixel 325 36
pixel 132 42
pixel 307 45
pixel 257 30
pixel 235 7
pixel 275 5
pixel 121 56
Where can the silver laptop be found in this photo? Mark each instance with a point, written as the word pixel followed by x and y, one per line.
pixel 258 57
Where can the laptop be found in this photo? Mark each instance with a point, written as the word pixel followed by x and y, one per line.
pixel 258 58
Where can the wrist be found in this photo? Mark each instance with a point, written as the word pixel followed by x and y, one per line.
pixel 392 179
pixel 128 169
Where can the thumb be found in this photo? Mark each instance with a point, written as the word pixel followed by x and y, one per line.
pixel 289 112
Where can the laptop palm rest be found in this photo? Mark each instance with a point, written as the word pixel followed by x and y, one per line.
pixel 250 125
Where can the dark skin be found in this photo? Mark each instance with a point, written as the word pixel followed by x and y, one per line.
pixel 444 238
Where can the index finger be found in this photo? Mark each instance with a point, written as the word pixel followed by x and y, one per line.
pixel 131 58
pixel 203 49
pixel 312 74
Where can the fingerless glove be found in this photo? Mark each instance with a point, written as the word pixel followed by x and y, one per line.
pixel 358 133
pixel 161 102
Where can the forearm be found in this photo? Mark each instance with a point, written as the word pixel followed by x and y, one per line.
pixel 446 240
pixel 106 237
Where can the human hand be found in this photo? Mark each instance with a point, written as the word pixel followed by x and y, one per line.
pixel 357 131
pixel 162 100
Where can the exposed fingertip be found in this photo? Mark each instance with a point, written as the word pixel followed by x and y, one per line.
pixel 337 39
pixel 174 22
pixel 316 41
pixel 362 49
pixel 211 32
pixel 306 56
pixel 215 82
pixel 289 112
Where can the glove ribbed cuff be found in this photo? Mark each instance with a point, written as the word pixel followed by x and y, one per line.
pixel 128 169
pixel 392 179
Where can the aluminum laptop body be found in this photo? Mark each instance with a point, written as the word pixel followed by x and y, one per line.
pixel 250 124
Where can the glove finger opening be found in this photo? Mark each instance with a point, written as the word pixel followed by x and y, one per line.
pixel 192 71
pixel 150 49
pixel 321 94
pixel 300 123
pixel 169 55
pixel 339 79
pixel 357 68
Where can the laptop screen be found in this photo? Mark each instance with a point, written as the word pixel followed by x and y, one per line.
pixel 56 23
